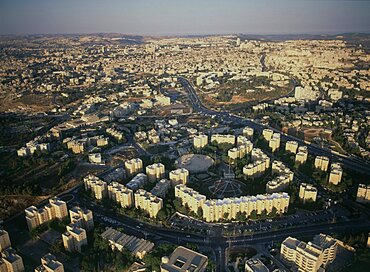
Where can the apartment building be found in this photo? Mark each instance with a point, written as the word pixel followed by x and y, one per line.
pixel 189 197
pixel 255 265
pixel 49 263
pixel 255 169
pixel 137 182
pixel 329 246
pixel 55 209
pixel 243 140
pixel 267 134
pixel 281 182
pixel 238 152
pixel 363 193
pixel 200 141
pixel 97 186
pixel 302 155
pixel 274 142
pixel 184 259
pixel 307 192
pixel 278 184
pixel 161 188
pixel 216 209
pixel 155 171
pixel 82 217
pixel 120 194
pixel 261 162
pixel 179 176
pixel 309 256
pixel 118 240
pixel 322 163
pixel 10 261
pixel 4 240
pixel 134 166
pixel 336 172
pixel 305 256
pixel 248 132
pixel 148 202
pixel 291 146
pixel 223 139
pixel 74 238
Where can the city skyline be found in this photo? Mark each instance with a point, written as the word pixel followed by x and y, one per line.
pixel 163 17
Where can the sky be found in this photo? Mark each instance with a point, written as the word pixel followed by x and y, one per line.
pixel 184 17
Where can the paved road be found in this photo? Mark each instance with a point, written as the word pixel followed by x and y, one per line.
pixel 350 162
pixel 215 240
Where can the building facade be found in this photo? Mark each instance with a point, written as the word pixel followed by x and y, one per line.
pixel 121 194
pixel 148 202
pixel 134 166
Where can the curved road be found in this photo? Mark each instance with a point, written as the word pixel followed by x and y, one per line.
pixel 350 162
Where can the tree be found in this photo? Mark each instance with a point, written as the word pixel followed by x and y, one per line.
pixel 200 212
pixel 273 212
pixel 253 214
pixel 162 216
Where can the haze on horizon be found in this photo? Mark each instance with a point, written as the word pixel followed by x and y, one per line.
pixel 173 17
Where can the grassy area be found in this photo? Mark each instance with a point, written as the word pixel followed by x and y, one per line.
pixel 158 149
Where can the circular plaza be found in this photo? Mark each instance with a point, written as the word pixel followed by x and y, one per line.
pixel 195 163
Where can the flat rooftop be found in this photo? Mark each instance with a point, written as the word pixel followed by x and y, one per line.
pixel 184 259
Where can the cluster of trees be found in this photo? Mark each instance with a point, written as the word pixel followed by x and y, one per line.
pixel 56 224
pixel 153 259
pixel 25 189
pixel 99 256
pixel 343 141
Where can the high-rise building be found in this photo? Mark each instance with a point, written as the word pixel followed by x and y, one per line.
pixel 82 217
pixel 134 166
pixel 148 202
pixel 74 238
pixel 363 193
pixel 261 162
pixel 189 197
pixel 307 192
pixel 336 172
pixel 217 209
pixel 4 240
pixel 267 134
pixel 306 256
pixel 155 171
pixel 137 182
pixel 121 194
pixel 55 209
pixel 248 132
pixel 161 188
pixel 223 139
pixel 322 163
pixel 291 146
pixel 309 256
pixel 179 176
pixel 49 263
pixel 97 186
pixel 11 261
pixel 329 246
pixel 274 142
pixel 200 141
pixel 302 155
